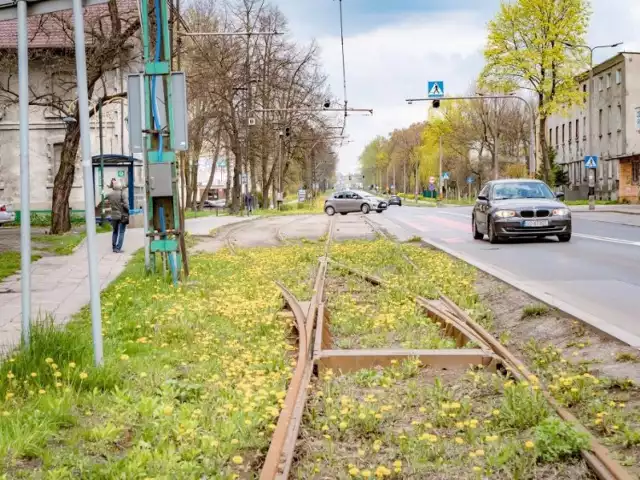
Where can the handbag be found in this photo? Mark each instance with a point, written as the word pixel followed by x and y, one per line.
pixel 124 218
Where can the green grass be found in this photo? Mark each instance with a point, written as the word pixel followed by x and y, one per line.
pixel 204 213
pixel 193 381
pixel 59 244
pixel 10 263
pixel 535 310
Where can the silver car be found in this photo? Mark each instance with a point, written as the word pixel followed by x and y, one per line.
pixel 351 201
pixel 7 215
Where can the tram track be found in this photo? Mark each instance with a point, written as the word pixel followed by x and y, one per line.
pixel 315 353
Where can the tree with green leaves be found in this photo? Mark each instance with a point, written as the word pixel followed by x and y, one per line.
pixel 529 48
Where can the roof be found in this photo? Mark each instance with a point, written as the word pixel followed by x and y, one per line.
pixel 511 180
pixel 607 64
pixel 114 159
pixel 52 31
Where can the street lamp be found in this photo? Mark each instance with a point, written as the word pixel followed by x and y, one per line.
pixel 592 180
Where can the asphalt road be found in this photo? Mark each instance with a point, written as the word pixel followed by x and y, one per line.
pixel 595 277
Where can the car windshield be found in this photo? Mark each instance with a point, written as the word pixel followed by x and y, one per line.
pixel 518 190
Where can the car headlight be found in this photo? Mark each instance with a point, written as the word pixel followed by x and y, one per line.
pixel 505 213
pixel 561 212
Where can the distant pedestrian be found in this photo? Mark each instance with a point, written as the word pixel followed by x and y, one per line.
pixel 119 215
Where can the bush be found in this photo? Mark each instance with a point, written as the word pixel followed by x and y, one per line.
pixel 556 439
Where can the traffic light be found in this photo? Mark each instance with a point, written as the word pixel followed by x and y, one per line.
pixel 287 131
pixel 436 104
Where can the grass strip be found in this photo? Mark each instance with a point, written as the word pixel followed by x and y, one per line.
pixel 193 382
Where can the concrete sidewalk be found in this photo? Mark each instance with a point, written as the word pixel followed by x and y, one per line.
pixel 60 285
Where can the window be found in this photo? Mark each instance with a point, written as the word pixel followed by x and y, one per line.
pixel 584 91
pixel 600 122
pixel 550 136
pixel 600 83
pixel 608 80
pixel 577 130
pixel 609 119
pixel 618 76
pixel 619 118
pixel 584 127
pixel 563 133
pixel 570 137
pixel 557 130
pixel 635 172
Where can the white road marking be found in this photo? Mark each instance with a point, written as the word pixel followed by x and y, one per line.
pixel 607 239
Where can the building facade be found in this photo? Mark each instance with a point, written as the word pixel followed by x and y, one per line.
pixel 615 136
pixel 50 77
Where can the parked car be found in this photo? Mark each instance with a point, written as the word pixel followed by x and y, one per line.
pixel 351 201
pixel 395 200
pixel 520 208
pixel 214 203
pixel 7 215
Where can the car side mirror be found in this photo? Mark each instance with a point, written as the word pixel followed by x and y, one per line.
pixel 482 197
pixel 559 194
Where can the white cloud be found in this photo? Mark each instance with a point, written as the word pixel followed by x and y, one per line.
pixel 389 64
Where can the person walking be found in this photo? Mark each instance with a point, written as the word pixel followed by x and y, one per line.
pixel 119 215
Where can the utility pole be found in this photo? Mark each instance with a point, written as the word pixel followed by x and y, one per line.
pixel 496 160
pixel 440 183
pixel 592 171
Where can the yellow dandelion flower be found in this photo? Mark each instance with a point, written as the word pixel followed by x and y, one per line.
pixel 237 460
pixel 366 474
pixel 83 375
pixel 34 374
pixel 48 360
pixel 529 444
pixel 459 440
pixel 354 471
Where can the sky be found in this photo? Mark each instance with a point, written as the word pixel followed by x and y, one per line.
pixel 394 47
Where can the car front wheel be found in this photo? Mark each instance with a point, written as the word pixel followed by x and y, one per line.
pixel 365 208
pixel 330 211
pixel 564 238
pixel 474 228
pixel 491 232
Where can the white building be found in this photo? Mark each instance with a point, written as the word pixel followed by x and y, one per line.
pixel 615 136
pixel 46 127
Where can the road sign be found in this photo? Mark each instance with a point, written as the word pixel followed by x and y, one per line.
pixel 445 175
pixel 435 89
pixel 432 187
pixel 470 180
pixel 244 178
pixel 591 161
pixel 302 194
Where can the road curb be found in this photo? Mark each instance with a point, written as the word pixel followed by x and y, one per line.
pixel 603 327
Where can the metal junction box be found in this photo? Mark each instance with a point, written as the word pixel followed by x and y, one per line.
pixel 160 179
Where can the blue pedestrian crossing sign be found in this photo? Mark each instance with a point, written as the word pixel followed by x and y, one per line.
pixel 469 179
pixel 445 175
pixel 435 89
pixel 591 161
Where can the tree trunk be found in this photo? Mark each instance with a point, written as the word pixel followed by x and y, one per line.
pixel 60 217
pixel 227 195
pixel 236 200
pixel 207 187
pixel 546 164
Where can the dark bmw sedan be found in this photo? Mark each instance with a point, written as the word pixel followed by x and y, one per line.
pixel 519 208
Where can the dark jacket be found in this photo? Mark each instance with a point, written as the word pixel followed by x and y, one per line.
pixel 118 203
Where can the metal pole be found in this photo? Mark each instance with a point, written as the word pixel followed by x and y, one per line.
pixel 496 160
pixel 440 168
pixel 25 207
pixel 591 173
pixel 89 199
pixel 101 162
pixel 145 205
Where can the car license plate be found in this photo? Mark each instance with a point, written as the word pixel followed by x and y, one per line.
pixel 536 223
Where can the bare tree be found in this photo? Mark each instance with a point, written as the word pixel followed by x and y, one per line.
pixel 112 45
